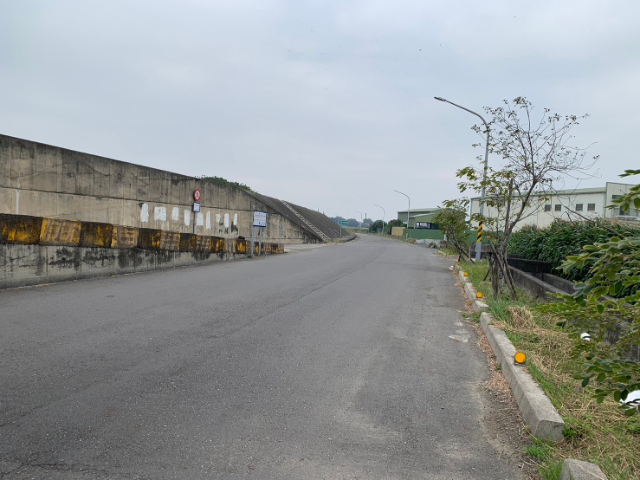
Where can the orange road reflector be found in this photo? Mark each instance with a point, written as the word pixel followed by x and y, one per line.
pixel 466 274
pixel 479 295
pixel 520 358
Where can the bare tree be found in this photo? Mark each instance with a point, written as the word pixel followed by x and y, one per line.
pixel 536 157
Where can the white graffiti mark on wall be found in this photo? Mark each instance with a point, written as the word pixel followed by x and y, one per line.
pixel 160 213
pixel 234 225
pixel 208 223
pixel 199 219
pixel 226 223
pixel 144 213
pixel 187 218
pixel 175 214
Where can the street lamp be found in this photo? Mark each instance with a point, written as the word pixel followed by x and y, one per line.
pixel 484 176
pixel 360 227
pixel 383 215
pixel 406 238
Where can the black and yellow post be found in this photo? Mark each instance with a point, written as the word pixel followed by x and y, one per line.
pixel 480 232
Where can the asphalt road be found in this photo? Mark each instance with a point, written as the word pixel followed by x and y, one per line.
pixel 343 362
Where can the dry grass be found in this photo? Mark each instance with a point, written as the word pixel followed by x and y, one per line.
pixel 599 433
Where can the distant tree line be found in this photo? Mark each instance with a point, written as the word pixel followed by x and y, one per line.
pixel 352 222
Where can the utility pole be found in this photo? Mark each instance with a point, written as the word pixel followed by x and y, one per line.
pixel 484 176
pixel 408 213
pixel 383 215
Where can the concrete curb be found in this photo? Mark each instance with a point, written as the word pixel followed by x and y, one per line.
pixel 578 470
pixel 537 410
pixel 477 304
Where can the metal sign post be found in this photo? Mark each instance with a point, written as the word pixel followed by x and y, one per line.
pixel 196 210
pixel 259 221
pixel 253 240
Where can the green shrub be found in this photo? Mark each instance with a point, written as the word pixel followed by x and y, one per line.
pixel 527 242
pixel 563 239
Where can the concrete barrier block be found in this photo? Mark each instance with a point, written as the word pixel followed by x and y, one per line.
pixel 202 244
pixel 188 242
pixel 240 246
pixel 149 239
pixel 579 470
pixel 96 235
pixel 170 241
pixel 60 232
pixel 461 276
pixel 218 245
pixel 20 229
pixel 124 237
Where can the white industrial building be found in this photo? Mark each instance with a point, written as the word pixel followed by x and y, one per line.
pixel 574 205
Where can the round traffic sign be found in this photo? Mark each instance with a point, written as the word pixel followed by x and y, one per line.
pixel 196 195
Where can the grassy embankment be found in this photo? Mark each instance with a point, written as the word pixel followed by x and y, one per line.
pixel 598 433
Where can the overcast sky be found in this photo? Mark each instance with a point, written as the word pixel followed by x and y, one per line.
pixel 326 104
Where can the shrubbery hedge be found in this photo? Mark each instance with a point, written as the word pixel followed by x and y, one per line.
pixel 562 238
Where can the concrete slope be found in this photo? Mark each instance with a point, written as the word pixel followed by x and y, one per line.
pixel 323 223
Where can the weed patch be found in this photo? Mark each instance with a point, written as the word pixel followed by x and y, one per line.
pixel 598 433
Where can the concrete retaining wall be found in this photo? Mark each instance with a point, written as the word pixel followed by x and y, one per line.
pixel 36 250
pixel 45 181
pixel 534 286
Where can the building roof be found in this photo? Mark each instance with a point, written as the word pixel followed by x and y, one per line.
pixel 426 217
pixel 425 210
pixel 575 191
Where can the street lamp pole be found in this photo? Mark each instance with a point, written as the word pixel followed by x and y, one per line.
pixel 383 215
pixel 360 227
pixel 406 238
pixel 484 176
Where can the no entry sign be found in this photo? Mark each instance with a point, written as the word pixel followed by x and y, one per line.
pixel 196 195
